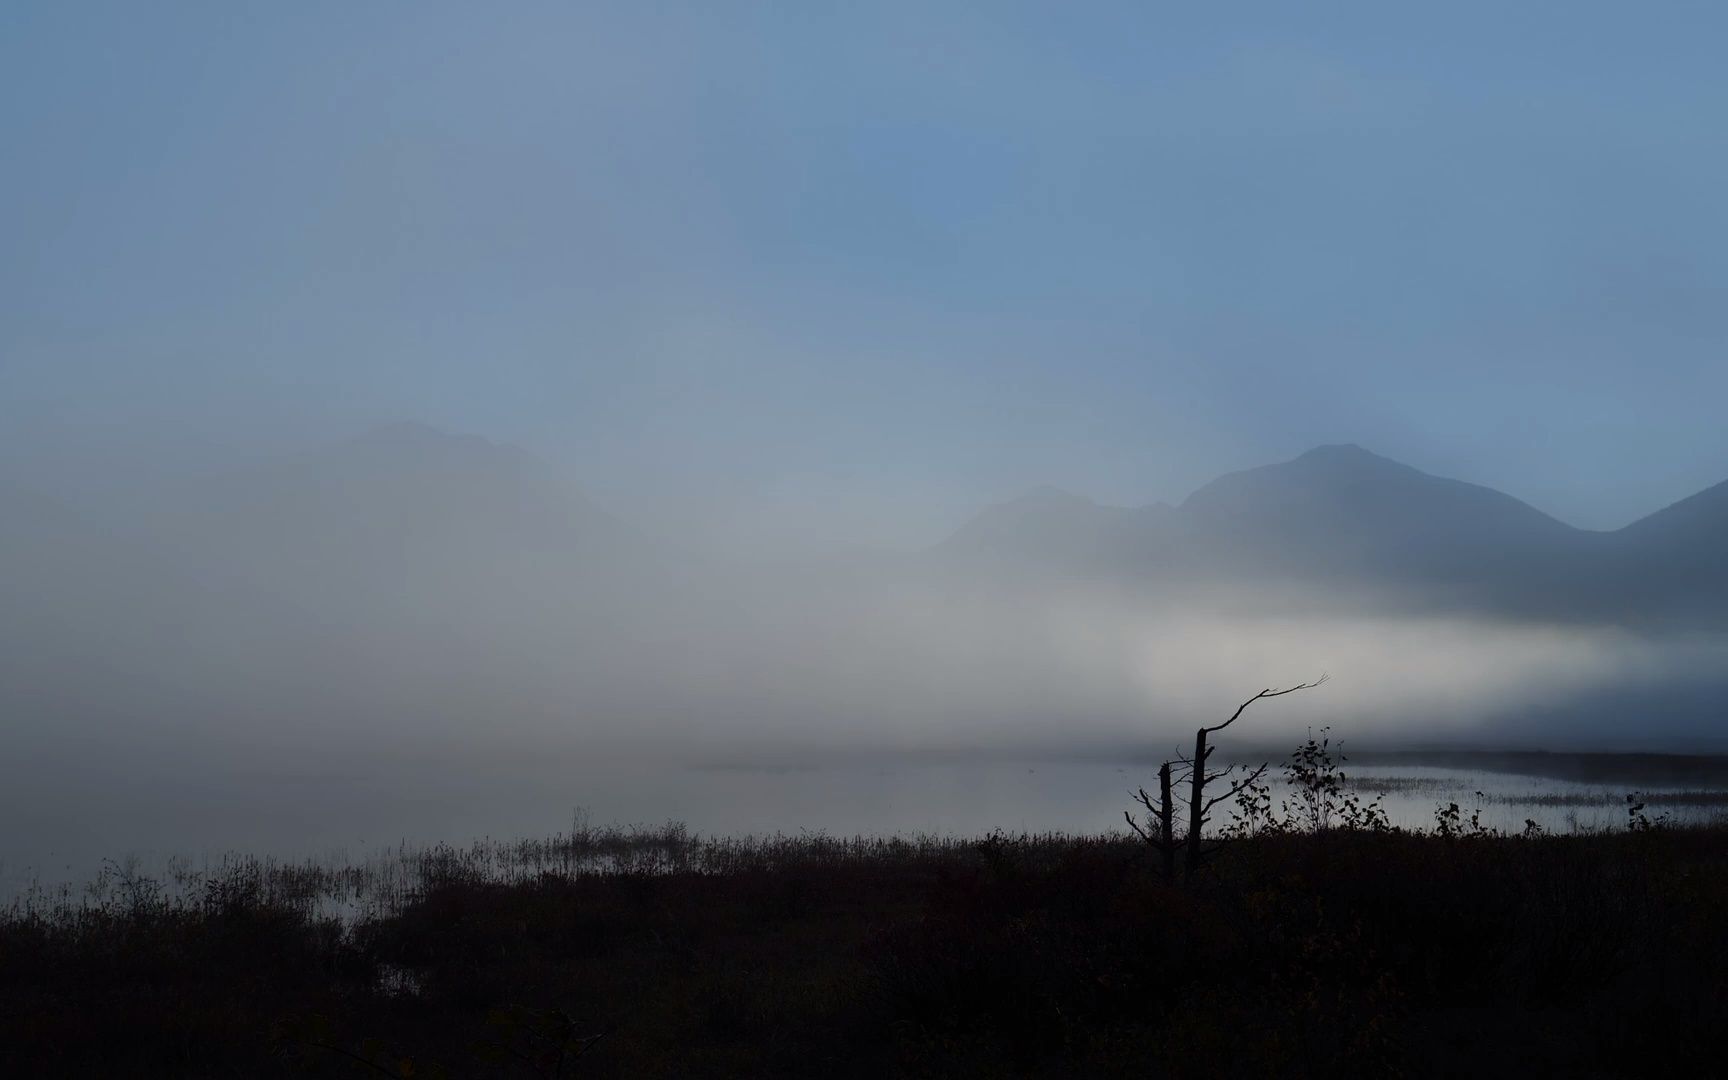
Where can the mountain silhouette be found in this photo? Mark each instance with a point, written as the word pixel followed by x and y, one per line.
pixel 416 486
pixel 1342 517
pixel 409 571
pixel 1674 563
pixel 424 547
pixel 407 521
pixel 1061 530
pixel 398 508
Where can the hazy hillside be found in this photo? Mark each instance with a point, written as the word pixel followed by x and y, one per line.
pixel 1342 519
pixel 400 509
pixel 1673 564
pixel 1056 530
pixel 411 580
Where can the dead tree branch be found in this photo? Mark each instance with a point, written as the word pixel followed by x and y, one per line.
pixel 1198 804
pixel 1160 830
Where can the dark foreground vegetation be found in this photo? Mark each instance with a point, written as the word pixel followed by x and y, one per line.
pixel 602 953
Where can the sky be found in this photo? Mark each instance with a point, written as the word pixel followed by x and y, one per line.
pixel 848 272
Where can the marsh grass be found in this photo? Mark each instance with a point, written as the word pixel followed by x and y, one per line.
pixel 1321 939
pixel 657 952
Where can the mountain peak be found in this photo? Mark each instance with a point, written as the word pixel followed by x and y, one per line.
pixel 1332 468
pixel 1347 457
pixel 1339 452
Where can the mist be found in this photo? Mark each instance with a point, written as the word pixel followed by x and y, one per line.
pixel 410 631
pixel 693 539
pixel 409 585
pixel 408 411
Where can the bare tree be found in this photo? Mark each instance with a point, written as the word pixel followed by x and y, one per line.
pixel 1198 805
pixel 1159 831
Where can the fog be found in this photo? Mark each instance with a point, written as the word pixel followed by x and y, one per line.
pixel 410 585
pixel 411 632
pixel 741 337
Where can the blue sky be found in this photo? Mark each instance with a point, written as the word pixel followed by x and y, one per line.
pixel 848 271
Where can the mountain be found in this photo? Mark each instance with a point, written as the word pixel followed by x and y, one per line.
pixel 1694 523
pixel 1343 512
pixel 398 509
pixel 1062 530
pixel 1674 563
pixel 408 530
pixel 1343 518
pixel 1387 505
pixel 411 486
pixel 89 617
pixel 405 556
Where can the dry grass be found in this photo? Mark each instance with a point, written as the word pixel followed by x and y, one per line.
pixel 612 952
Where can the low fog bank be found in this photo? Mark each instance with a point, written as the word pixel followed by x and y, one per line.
pixel 417 593
pixel 423 637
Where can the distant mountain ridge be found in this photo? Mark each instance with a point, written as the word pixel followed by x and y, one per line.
pixel 416 474
pixel 410 580
pixel 404 529
pixel 1340 514
pixel 407 514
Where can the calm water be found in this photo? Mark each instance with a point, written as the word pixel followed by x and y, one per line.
pixel 60 828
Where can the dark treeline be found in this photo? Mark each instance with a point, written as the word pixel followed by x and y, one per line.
pixel 1344 952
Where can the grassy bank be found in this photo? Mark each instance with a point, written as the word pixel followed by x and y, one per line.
pixel 654 954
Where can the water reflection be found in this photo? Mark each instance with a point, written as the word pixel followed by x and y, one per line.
pixel 341 821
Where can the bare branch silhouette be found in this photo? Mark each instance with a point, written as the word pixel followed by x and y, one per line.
pixel 1267 693
pixel 1198 803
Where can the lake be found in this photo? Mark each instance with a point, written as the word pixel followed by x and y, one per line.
pixel 63 823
